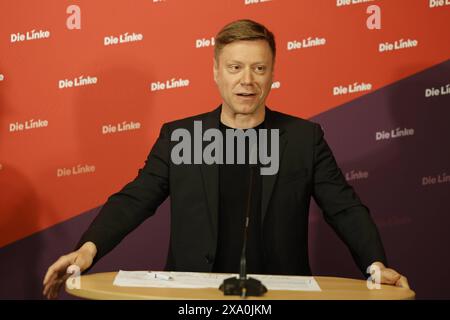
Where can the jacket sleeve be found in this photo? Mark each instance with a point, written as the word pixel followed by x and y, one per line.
pixel 342 208
pixel 138 200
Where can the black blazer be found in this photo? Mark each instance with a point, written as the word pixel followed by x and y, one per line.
pixel 306 168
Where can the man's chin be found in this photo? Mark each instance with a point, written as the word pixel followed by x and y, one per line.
pixel 245 108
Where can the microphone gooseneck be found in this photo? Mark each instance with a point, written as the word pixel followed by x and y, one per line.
pixel 243 285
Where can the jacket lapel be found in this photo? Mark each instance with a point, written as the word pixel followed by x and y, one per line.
pixel 268 181
pixel 210 174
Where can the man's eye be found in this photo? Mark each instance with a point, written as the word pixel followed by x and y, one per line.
pixel 260 68
pixel 234 67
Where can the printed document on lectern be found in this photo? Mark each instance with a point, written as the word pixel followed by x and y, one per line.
pixel 165 279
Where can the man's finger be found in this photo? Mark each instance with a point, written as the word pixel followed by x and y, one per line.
pixel 44 292
pixel 54 268
pixel 389 276
pixel 52 274
pixel 54 289
pixel 402 282
pixel 50 278
pixel 48 274
pixel 53 281
pixel 51 293
pixel 61 281
pixel 46 289
pixel 49 285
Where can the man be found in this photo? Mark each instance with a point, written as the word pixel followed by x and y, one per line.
pixel 208 201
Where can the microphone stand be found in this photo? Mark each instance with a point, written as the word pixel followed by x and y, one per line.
pixel 243 285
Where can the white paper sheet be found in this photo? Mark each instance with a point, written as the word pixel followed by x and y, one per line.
pixel 209 280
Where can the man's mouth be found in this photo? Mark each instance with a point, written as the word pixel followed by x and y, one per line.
pixel 246 94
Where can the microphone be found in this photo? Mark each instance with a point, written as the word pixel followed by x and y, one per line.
pixel 243 285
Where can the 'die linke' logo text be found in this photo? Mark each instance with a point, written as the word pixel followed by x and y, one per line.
pixel 234 139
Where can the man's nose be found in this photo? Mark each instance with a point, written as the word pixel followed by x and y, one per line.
pixel 247 77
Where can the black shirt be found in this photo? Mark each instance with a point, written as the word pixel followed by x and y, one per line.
pixel 234 190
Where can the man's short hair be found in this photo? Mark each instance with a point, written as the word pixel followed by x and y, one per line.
pixel 240 30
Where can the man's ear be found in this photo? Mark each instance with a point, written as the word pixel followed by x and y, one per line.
pixel 273 71
pixel 215 69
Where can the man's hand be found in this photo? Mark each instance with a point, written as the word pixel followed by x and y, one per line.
pixel 57 274
pixel 391 277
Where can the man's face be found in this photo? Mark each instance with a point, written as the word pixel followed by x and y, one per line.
pixel 243 73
